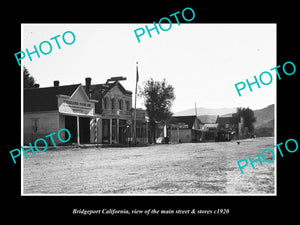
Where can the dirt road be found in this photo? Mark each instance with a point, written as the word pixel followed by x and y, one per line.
pixel 190 168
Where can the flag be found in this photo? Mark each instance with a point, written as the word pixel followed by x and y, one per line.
pixel 137 72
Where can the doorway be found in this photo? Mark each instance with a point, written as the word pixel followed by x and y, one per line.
pixel 122 131
pixel 71 125
pixel 84 129
pixel 105 131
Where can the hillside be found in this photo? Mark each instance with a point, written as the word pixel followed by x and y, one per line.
pixel 207 118
pixel 205 111
pixel 264 117
pixel 264 125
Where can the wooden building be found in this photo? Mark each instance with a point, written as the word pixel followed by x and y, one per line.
pixel 228 128
pixel 99 114
pixel 209 132
pixel 184 129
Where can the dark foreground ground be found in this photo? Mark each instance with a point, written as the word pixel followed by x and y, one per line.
pixel 190 168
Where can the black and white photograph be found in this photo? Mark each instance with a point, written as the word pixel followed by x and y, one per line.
pixel 159 117
pixel 186 110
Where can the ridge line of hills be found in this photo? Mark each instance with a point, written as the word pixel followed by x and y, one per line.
pixel 264 125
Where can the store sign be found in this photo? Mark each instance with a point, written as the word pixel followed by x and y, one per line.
pixel 76 107
pixel 180 125
pixel 183 126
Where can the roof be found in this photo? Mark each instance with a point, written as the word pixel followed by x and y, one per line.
pixel 95 89
pixel 45 99
pixel 186 120
pixel 227 120
pixel 209 126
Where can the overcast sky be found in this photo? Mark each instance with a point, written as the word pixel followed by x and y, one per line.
pixel 201 61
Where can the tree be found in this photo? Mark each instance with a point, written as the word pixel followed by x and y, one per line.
pixel 29 81
pixel 158 99
pixel 249 118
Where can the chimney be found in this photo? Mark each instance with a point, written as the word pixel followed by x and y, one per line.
pixel 56 83
pixel 88 85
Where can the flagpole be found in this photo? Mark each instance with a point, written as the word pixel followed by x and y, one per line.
pixel 134 125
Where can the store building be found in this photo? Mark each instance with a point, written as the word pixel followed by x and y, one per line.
pixel 184 129
pixel 99 114
pixel 209 132
pixel 229 127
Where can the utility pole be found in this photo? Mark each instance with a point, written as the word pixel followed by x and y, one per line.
pixel 134 125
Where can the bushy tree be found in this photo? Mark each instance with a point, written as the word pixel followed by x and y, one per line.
pixel 29 81
pixel 249 118
pixel 158 99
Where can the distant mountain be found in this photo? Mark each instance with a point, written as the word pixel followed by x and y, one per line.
pixel 206 115
pixel 205 111
pixel 207 118
pixel 264 117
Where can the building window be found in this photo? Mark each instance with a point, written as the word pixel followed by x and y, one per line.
pixel 127 105
pixel 105 103
pixel 105 131
pixel 120 104
pixel 113 103
pixel 114 129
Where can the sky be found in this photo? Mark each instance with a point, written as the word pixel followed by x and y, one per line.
pixel 203 62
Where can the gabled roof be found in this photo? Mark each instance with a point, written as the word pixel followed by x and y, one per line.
pixel 45 99
pixel 209 126
pixel 186 120
pixel 95 89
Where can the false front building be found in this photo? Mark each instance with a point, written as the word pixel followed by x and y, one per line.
pixel 184 129
pixel 98 114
